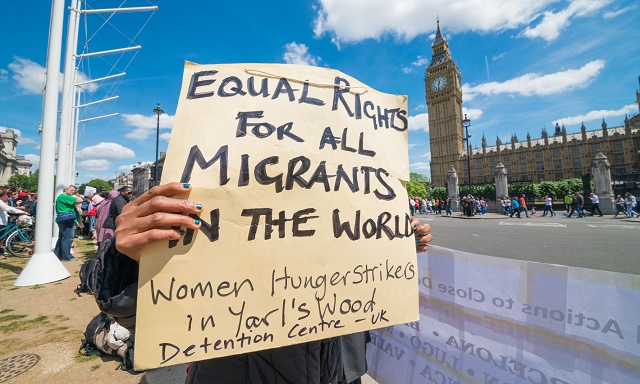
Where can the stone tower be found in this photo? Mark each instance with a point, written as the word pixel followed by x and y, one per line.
pixel 444 101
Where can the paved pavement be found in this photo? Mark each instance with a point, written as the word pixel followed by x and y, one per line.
pixel 602 243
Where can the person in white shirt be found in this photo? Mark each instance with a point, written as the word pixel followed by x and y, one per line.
pixel 595 203
pixel 4 218
pixel 548 206
pixel 630 202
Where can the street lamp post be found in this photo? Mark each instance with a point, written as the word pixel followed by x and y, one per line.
pixel 466 123
pixel 158 112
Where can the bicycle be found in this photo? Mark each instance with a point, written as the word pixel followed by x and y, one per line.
pixel 19 238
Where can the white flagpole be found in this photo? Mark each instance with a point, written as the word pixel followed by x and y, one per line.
pixel 44 266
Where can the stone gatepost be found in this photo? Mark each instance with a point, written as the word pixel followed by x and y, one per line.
pixel 452 189
pixel 502 188
pixel 601 174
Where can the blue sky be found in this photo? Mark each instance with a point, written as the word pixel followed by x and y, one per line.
pixel 526 64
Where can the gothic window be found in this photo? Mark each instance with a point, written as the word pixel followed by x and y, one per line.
pixel 479 162
pixel 538 155
pixel 616 145
pixel 556 153
pixel 478 172
pixel 557 164
pixel 492 161
pixel 595 147
pixel 540 166
pixel 523 167
pixel 577 162
pixel 575 150
pixel 618 157
pixel 507 158
pixel 559 176
pixel 523 156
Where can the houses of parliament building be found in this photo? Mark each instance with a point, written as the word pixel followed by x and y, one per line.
pixel 554 156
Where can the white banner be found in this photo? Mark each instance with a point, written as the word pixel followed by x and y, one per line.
pixel 498 321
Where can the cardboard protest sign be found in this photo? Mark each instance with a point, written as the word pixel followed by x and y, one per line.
pixel 306 232
pixel 485 319
pixel 89 191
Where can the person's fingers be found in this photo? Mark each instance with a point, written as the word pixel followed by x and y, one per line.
pixel 133 245
pixel 170 189
pixel 161 220
pixel 162 203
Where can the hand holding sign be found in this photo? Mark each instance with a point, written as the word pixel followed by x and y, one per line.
pixel 421 233
pixel 153 217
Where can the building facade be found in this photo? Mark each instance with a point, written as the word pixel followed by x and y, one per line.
pixel 554 156
pixel 10 163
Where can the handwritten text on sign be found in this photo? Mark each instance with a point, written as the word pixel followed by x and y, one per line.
pixel 305 226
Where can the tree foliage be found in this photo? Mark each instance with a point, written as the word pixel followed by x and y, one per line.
pixel 99 184
pixel 415 189
pixel 25 182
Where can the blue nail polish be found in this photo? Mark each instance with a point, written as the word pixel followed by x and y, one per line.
pixel 182 233
pixel 198 206
pixel 186 185
pixel 196 222
pixel 417 241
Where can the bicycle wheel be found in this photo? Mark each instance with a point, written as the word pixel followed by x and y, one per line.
pixel 20 243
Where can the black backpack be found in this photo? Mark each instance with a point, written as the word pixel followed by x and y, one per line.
pixel 88 276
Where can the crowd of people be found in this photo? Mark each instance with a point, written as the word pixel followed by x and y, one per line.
pixel 15 202
pixel 517 206
pixel 92 215
pixel 425 205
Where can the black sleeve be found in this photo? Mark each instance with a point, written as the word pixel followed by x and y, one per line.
pixel 117 285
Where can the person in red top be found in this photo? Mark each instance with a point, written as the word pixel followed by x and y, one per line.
pixel 523 205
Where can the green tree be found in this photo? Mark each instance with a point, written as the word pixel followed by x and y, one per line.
pixel 547 188
pixel 440 192
pixel 415 189
pixel 19 181
pixel 99 184
pixel 418 178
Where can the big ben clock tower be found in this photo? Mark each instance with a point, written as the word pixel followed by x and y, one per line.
pixel 444 102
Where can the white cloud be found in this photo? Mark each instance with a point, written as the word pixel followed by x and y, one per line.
pixel 610 15
pixel 406 70
pixel 420 62
pixel 95 165
pixel 165 136
pixel 411 146
pixel 145 126
pixel 34 159
pixel 498 56
pixel 553 23
pixel 421 166
pixel 299 54
pixel 4 75
pixel 472 113
pixel 355 20
pixel 30 77
pixel 21 139
pixel 111 151
pixel 531 84
pixel 127 168
pixel 419 122
pixel 597 115
pixel 426 155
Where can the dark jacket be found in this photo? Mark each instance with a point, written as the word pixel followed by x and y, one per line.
pixel 315 362
pixel 115 210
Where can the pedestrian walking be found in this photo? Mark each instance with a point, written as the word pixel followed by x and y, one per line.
pixel 548 206
pixel 595 202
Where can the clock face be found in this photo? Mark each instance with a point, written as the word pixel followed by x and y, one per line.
pixel 438 83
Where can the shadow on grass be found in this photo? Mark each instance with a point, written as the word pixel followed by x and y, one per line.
pixel 10 267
